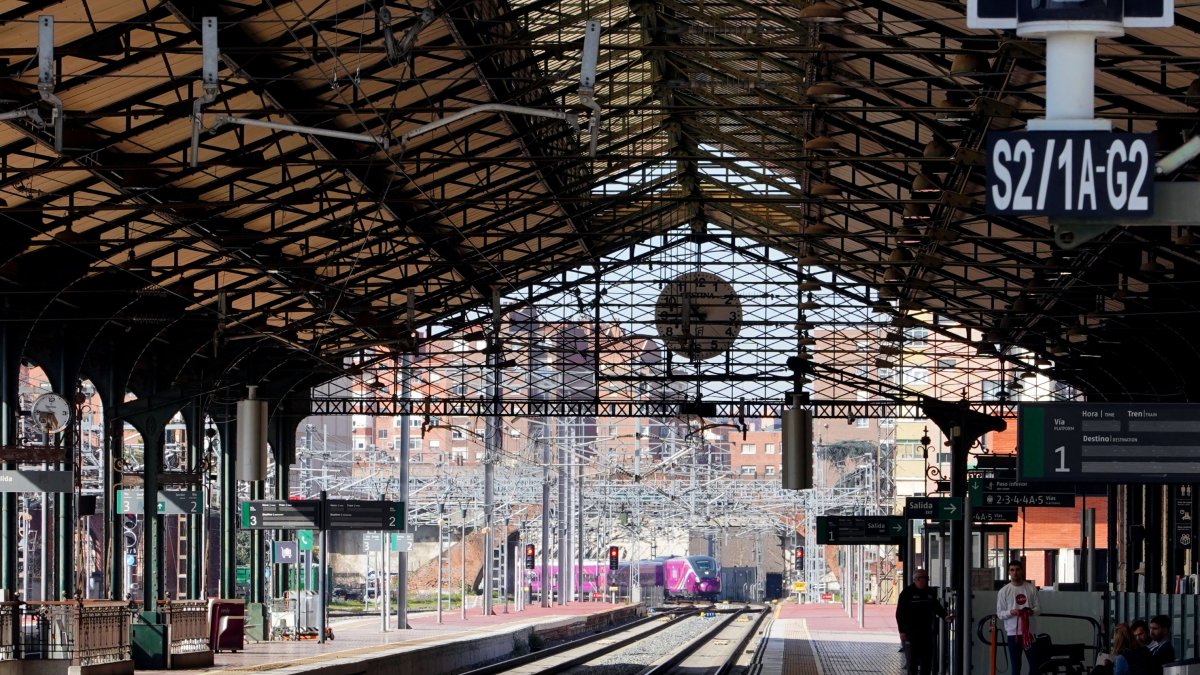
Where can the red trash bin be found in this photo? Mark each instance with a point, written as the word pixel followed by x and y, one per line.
pixel 227 624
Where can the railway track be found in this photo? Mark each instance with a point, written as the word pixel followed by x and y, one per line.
pixel 674 638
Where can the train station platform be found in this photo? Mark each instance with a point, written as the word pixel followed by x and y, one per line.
pixel 360 646
pixel 820 639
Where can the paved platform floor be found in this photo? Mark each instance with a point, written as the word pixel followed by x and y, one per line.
pixel 822 640
pixel 364 637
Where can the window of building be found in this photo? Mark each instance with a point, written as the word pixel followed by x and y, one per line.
pixel 992 389
pixel 398 421
pixel 909 449
pixel 748 471
pixel 946 364
pixel 862 346
pixel 435 444
pixel 360 444
pixel 862 423
pixel 414 444
pixel 381 433
pixel 917 335
pixel 887 422
pixel 769 470
pixel 749 448
pixel 458 434
pixel 916 376
pixel 769 448
pixel 479 433
pixel 885 373
pixel 359 421
pixel 414 422
pixel 459 389
pixel 861 371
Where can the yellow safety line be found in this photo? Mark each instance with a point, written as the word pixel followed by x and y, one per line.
pixel 812 647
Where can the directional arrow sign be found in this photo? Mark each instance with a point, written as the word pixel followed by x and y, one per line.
pixel 991 492
pixel 860 529
pixel 933 508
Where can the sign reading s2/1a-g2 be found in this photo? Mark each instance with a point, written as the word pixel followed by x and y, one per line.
pixel 1070 173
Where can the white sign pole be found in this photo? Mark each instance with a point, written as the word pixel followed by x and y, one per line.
pixel 1070 72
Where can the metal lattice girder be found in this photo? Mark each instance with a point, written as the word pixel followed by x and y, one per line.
pixel 380 407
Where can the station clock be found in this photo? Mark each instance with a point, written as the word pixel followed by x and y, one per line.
pixel 698 315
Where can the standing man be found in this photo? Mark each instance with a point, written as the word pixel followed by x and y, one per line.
pixel 1161 649
pixel 1016 605
pixel 916 614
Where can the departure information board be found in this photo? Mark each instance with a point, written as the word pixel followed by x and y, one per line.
pixel 281 514
pixel 353 514
pixel 1109 442
pixel 860 529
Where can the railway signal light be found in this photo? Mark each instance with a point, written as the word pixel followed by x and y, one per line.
pixel 614 557
pixel 530 553
pixel 799 557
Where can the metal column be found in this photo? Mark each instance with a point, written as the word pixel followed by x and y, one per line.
pixel 402 566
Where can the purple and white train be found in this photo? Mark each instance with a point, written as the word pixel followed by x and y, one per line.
pixel 693 576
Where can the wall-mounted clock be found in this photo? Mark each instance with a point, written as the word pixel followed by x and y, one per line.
pixel 698 315
pixel 51 412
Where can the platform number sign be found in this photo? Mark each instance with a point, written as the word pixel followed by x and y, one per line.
pixel 614 557
pixel 530 556
pixel 1070 173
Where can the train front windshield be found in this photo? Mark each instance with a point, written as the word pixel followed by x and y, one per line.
pixel 705 567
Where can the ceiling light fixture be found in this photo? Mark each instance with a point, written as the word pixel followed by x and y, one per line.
pixel 823 144
pixel 821 12
pixel 908 235
pixel 822 189
pixel 916 211
pixel 827 92
pixel 924 185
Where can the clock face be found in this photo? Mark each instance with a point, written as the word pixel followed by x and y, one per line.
pixel 698 315
pixel 51 413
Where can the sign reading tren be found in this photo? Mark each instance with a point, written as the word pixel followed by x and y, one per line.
pixel 1109 442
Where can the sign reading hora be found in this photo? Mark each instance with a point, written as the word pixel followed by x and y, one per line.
pixel 1006 14
pixel 1077 173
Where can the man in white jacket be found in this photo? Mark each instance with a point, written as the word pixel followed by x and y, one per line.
pixel 1016 605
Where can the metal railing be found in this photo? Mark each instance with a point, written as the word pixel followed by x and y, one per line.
pixel 187 626
pixel 84 634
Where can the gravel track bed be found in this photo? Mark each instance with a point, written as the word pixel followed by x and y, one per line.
pixel 637 656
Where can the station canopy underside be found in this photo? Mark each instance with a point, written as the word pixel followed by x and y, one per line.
pixel 831 169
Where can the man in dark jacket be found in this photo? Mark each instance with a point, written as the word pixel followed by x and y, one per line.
pixel 1161 649
pixel 917 612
